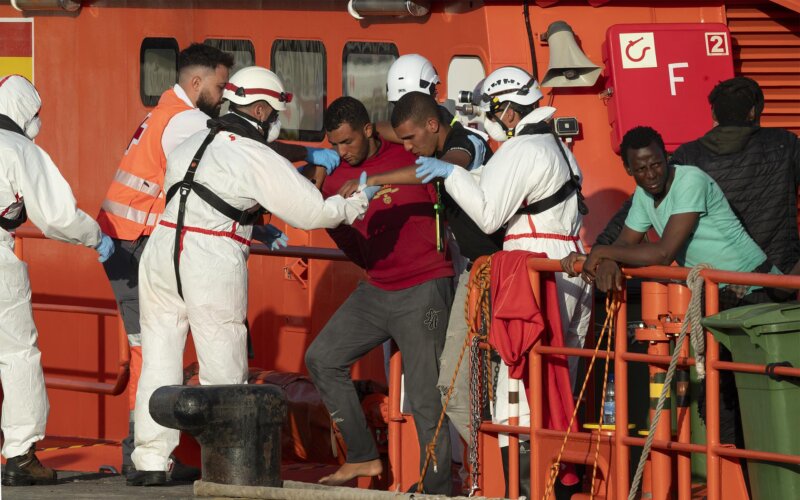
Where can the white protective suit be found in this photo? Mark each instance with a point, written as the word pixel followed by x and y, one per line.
pixel 28 176
pixel 213 270
pixel 526 169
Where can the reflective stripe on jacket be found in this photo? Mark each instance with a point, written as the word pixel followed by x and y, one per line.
pixel 135 199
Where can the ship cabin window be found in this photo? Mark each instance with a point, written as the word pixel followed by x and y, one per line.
pixel 463 73
pixel 301 64
pixel 243 52
pixel 158 68
pixel 365 66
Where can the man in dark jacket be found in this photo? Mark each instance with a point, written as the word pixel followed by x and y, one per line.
pixel 757 168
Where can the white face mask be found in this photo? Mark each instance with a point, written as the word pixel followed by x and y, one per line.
pixel 32 127
pixel 274 130
pixel 494 128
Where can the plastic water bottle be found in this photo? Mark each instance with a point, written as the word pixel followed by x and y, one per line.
pixel 609 405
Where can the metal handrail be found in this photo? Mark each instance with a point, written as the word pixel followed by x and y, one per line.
pixel 119 385
pixel 712 448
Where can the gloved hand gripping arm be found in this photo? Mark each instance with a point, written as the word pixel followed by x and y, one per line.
pixel 433 168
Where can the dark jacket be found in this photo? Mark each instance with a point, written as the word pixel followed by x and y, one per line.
pixel 758 169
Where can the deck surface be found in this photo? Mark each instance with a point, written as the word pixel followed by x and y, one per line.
pixel 82 485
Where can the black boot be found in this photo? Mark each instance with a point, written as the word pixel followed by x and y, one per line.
pixel 524 467
pixel 183 472
pixel 180 472
pixel 26 470
pixel 146 478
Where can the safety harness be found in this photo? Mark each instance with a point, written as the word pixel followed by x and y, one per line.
pixel 573 185
pixel 8 224
pixel 227 123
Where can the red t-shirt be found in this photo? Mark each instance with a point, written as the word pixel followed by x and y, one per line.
pixel 396 240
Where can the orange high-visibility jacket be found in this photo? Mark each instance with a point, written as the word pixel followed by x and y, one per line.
pixel 135 198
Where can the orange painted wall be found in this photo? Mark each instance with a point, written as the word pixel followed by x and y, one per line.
pixel 87 70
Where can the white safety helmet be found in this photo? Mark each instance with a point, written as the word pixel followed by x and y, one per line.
pixel 509 83
pixel 255 83
pixel 20 101
pixel 410 73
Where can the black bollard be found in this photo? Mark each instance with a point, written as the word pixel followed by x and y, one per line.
pixel 238 428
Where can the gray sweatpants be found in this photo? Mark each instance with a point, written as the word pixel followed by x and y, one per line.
pixel 416 319
pixel 122 269
pixel 458 406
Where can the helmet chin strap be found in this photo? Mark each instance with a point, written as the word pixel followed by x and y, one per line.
pixel 499 119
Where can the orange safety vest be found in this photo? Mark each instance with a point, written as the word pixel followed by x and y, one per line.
pixel 135 198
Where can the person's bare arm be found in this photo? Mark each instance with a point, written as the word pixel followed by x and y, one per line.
pixel 386 131
pixel 292 152
pixel 404 175
pixel 314 173
pixel 624 251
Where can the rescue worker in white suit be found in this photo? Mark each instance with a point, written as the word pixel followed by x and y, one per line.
pixel 532 183
pixel 194 268
pixel 30 186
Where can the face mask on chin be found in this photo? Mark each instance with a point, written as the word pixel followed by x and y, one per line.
pixel 273 130
pixel 32 127
pixel 495 128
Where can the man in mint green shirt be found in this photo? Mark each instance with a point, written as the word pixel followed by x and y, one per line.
pixel 695 224
pixel 718 235
pixel 689 212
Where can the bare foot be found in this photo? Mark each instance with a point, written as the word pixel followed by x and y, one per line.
pixel 350 471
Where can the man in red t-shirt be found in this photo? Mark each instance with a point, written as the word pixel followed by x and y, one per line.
pixel 406 298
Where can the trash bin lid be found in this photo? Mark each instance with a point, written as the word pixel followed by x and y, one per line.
pixel 758 319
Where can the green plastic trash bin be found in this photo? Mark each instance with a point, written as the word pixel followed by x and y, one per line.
pixel 763 334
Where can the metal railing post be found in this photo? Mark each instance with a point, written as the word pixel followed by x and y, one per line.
pixel 712 398
pixel 622 451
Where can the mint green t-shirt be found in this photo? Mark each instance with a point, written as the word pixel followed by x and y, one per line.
pixel 719 238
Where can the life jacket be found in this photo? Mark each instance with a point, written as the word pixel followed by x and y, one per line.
pixel 135 199
pixel 14 215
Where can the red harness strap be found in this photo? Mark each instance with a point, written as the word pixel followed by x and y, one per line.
pixel 227 234
pixel 543 236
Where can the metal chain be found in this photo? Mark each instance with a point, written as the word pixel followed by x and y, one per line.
pixel 477 400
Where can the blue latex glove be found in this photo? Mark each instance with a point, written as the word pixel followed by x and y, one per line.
pixel 327 158
pixel 105 248
pixel 431 168
pixel 368 191
pixel 273 237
